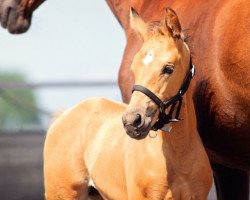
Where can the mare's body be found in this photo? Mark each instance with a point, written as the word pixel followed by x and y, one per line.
pixel 220 45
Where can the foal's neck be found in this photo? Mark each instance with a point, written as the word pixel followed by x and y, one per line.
pixel 184 132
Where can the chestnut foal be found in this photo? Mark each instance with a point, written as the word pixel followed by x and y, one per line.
pixel 88 144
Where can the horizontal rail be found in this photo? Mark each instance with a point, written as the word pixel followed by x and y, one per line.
pixel 57 84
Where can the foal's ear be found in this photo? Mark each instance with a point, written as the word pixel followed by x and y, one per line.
pixel 137 24
pixel 172 23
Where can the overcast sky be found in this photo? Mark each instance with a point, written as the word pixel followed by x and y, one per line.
pixel 68 40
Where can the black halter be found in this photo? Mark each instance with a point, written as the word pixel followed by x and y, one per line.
pixel 173 101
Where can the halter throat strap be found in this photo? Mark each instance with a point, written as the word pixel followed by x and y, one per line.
pixel 173 101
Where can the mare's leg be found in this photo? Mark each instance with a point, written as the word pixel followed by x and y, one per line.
pixel 231 184
pixel 126 78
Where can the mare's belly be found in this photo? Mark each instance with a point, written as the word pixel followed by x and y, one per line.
pixel 224 128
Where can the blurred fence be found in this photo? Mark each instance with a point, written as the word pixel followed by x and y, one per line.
pixel 21 141
pixel 29 107
pixel 21 176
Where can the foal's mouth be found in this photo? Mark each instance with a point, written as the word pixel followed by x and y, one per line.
pixel 137 133
pixel 137 123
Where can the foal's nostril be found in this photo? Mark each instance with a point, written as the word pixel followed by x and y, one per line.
pixel 133 119
pixel 137 120
pixel 124 120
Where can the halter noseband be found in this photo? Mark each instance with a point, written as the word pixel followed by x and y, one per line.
pixel 163 117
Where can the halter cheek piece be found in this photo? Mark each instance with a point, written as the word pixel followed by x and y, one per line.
pixel 173 101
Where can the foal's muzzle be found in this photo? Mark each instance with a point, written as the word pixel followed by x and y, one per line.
pixel 136 124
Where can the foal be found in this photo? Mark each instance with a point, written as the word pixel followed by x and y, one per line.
pixel 88 144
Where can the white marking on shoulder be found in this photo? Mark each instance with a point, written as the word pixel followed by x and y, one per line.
pixel 92 152
pixel 91 183
pixel 148 58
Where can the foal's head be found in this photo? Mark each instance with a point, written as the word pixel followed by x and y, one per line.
pixel 160 65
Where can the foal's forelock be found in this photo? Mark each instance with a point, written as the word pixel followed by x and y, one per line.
pixel 155 28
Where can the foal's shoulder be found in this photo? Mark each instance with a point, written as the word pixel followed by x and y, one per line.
pixel 93 107
pixel 96 106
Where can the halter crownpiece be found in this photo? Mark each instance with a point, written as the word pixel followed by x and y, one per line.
pixel 173 101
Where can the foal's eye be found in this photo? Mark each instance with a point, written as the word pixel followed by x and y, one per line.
pixel 168 69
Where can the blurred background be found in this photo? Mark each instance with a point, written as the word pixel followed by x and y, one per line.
pixel 69 44
pixel 72 52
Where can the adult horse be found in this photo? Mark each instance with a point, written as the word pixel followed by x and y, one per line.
pixel 15 15
pixel 220 45
pixel 88 143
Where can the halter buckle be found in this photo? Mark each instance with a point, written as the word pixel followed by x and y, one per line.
pixel 166 128
pixel 174 120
